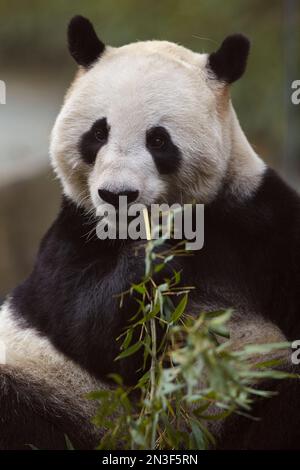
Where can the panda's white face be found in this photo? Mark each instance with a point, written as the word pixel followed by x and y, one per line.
pixel 143 119
pixel 147 120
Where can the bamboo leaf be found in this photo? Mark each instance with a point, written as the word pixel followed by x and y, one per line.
pixel 179 310
pixel 130 351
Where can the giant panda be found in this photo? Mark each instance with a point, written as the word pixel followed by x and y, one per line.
pixel 154 121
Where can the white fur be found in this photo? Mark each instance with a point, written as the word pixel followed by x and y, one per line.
pixel 139 86
pixel 34 356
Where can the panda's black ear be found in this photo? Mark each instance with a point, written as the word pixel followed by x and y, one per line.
pixel 84 45
pixel 229 62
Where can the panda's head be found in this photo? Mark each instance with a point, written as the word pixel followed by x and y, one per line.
pixel 151 120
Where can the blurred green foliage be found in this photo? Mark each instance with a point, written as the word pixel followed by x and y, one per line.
pixel 33 32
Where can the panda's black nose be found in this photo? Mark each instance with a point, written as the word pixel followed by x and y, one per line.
pixel 113 197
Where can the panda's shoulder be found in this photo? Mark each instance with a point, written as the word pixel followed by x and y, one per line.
pixel 271 205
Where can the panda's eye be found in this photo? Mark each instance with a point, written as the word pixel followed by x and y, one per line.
pixel 92 140
pixel 157 139
pixel 166 155
pixel 157 142
pixel 101 134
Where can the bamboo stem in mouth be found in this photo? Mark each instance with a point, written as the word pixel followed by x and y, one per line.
pixel 147 224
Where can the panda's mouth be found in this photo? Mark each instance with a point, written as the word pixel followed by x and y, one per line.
pixel 180 222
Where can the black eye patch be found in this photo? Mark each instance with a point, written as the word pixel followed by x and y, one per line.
pixel 92 140
pixel 165 153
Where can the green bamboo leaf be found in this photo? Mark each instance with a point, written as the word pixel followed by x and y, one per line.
pixel 179 310
pixel 198 435
pixel 127 339
pixel 163 287
pixel 130 351
pixel 220 330
pixel 265 348
pixel 177 277
pixel 269 364
pixel 97 395
pixel 200 409
pixel 159 267
pixel 116 378
pixel 144 379
pixel 220 318
pixel 214 314
pixel 69 443
pixel 140 288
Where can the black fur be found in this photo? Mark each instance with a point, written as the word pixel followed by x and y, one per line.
pixel 84 45
pixel 72 295
pixel 252 248
pixel 167 157
pixel 229 62
pixel 92 140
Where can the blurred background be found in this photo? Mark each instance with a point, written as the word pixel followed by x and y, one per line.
pixel 36 67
